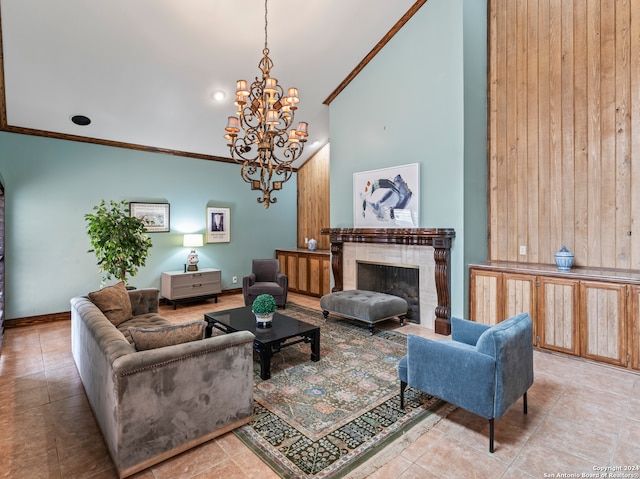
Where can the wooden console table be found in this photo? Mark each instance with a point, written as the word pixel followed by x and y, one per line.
pixel 439 238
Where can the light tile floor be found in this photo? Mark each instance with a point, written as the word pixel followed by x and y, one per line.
pixel 581 415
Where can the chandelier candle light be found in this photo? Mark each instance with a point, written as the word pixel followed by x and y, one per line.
pixel 267 145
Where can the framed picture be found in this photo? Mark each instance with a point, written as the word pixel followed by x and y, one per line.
pixel 155 216
pixel 218 225
pixel 387 198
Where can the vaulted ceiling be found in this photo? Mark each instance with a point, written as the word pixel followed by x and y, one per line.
pixel 144 71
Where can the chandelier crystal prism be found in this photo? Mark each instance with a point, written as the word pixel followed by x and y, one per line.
pixel 260 137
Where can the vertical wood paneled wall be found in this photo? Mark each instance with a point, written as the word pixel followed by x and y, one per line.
pixel 313 199
pixel 564 130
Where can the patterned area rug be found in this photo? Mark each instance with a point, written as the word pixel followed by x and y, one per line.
pixel 320 420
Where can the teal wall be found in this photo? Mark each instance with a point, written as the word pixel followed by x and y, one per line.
pixel 411 105
pixel 475 136
pixel 51 184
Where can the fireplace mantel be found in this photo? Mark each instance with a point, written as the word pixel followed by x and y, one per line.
pixel 439 238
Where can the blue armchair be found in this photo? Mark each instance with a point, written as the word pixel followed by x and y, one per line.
pixel 483 369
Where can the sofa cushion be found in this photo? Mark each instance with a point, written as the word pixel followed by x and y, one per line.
pixel 152 338
pixel 114 302
pixel 142 321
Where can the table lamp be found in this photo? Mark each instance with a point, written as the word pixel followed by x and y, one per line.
pixel 191 241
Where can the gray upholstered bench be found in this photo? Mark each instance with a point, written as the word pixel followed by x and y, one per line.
pixel 367 306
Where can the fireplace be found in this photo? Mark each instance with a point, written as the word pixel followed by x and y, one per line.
pixel 427 249
pixel 398 280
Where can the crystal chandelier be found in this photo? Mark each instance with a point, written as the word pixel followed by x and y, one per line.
pixel 267 145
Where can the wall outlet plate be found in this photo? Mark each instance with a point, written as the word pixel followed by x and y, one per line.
pixel 234 280
pixel 523 250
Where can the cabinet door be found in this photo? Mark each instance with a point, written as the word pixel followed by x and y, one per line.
pixel 303 273
pixel 520 297
pixel 282 257
pixel 315 275
pixel 634 327
pixel 519 294
pixel 292 271
pixel 603 311
pixel 326 274
pixel 558 315
pixel 486 297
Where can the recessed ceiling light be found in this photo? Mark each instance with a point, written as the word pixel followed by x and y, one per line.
pixel 218 95
pixel 81 120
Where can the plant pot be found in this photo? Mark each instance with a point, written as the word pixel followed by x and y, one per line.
pixel 263 320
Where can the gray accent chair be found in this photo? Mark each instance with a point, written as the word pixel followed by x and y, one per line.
pixel 265 278
pixel 483 369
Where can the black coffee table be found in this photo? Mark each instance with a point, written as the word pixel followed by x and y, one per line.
pixel 281 334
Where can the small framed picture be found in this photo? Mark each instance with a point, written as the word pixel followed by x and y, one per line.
pixel 155 216
pixel 218 225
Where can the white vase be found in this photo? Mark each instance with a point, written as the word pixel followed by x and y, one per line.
pixel 263 320
pixel 564 259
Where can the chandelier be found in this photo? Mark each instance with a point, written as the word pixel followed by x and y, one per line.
pixel 267 145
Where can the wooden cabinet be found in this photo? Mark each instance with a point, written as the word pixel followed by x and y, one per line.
pixel 309 272
pixel 191 285
pixel 592 313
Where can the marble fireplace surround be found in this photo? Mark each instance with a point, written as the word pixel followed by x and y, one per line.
pixel 427 249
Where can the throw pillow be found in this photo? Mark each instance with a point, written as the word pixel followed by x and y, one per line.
pixel 151 338
pixel 114 302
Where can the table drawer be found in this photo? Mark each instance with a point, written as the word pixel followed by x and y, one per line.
pixel 194 289
pixel 195 277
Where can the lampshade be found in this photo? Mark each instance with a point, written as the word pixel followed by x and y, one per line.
pixel 191 241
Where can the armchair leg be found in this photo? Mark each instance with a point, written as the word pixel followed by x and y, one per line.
pixel 524 399
pixel 403 386
pixel 491 435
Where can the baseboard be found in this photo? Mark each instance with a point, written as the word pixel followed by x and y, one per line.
pixel 35 320
pixel 66 315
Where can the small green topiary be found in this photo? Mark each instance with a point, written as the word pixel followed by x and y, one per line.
pixel 264 304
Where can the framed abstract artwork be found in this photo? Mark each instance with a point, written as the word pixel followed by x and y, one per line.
pixel 155 216
pixel 387 198
pixel 218 225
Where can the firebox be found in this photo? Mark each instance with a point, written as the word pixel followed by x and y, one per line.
pixel 400 280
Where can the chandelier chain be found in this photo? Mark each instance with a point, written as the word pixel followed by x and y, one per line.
pixel 265 25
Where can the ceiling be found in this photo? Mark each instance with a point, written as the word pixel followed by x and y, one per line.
pixel 144 71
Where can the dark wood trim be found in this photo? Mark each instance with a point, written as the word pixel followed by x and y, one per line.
pixel 66 315
pixel 35 320
pixel 115 144
pixel 3 99
pixel 439 238
pixel 379 46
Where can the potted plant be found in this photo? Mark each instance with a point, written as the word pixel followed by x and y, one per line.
pixel 263 307
pixel 119 241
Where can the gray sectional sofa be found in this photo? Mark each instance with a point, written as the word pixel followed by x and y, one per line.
pixel 153 404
